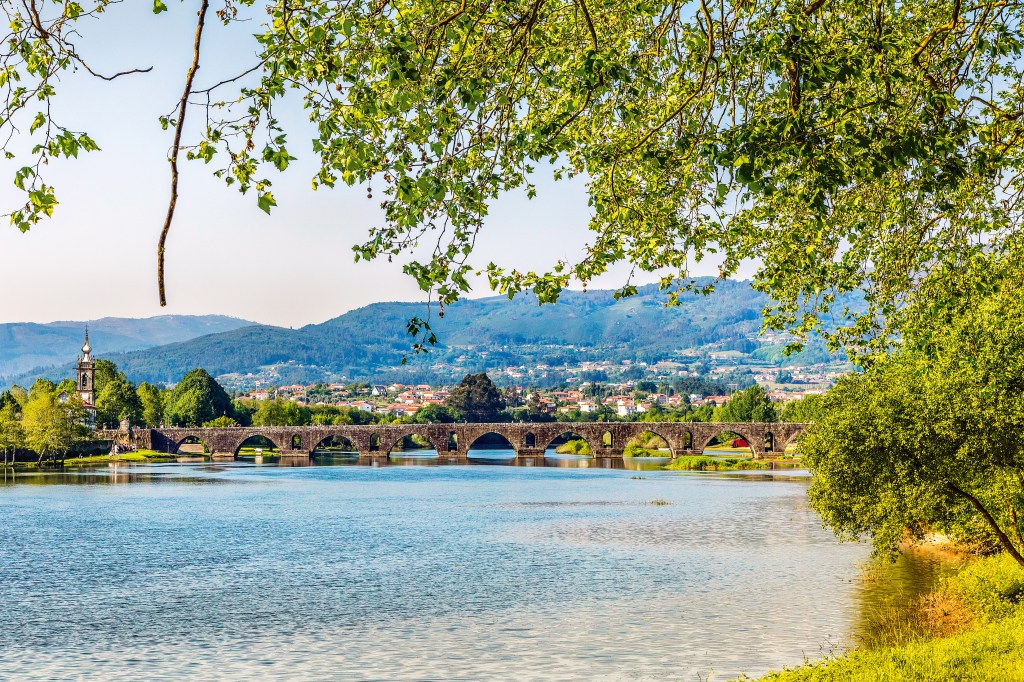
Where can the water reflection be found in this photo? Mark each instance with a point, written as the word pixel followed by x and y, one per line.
pixel 261 571
pixel 490 454
pixel 890 593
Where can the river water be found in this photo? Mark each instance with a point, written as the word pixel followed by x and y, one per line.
pixel 417 572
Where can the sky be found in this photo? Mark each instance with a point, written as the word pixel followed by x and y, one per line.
pixel 97 256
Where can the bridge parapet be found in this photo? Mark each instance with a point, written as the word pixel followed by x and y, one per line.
pixel 530 440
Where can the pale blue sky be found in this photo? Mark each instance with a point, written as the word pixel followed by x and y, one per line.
pixel 96 257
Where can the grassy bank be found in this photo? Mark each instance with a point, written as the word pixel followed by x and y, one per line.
pixel 984 601
pixel 704 463
pixel 137 456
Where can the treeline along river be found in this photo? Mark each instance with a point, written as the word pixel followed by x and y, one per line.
pixel 395 573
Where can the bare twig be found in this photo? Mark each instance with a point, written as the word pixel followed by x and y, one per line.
pixel 176 147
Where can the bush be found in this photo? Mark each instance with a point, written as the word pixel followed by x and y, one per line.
pixel 574 447
pixel 705 463
pixel 992 587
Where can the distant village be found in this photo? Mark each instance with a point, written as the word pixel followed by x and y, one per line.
pixel 625 399
pixel 627 387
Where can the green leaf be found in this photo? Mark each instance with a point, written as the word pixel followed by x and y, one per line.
pixel 265 202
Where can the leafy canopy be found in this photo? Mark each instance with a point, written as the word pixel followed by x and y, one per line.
pixel 932 441
pixel 845 145
pixel 477 399
pixel 751 404
pixel 117 400
pixel 196 400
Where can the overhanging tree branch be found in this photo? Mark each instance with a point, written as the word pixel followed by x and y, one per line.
pixel 176 148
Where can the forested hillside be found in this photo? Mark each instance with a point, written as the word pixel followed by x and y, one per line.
pixel 474 335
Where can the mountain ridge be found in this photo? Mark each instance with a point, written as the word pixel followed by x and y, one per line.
pixel 486 334
pixel 37 346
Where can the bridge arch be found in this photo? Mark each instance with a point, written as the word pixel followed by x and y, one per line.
pixel 191 439
pixel 564 439
pixel 530 440
pixel 784 440
pixel 743 432
pixel 410 434
pixel 254 437
pixel 646 441
pixel 499 445
pixel 335 443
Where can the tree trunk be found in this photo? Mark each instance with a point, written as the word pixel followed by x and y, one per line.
pixel 1004 540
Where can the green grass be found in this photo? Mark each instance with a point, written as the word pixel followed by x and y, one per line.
pixel 648 449
pixel 991 652
pixel 992 589
pixel 574 447
pixel 102 459
pixel 137 456
pixel 704 463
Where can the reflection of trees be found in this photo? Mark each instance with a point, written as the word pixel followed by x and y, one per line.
pixel 888 598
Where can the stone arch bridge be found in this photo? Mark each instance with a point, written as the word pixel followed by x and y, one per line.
pixel 453 441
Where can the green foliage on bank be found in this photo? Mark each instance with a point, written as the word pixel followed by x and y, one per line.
pixel 703 463
pixel 928 438
pixel 993 590
pixel 575 447
pixel 647 444
pixel 992 652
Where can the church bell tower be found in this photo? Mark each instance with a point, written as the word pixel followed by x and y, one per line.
pixel 86 373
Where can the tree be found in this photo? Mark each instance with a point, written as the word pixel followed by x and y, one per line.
pixel 220 422
pixel 41 387
pixel 12 435
pixel 152 401
pixel 749 405
pixel 801 411
pixel 117 401
pixel 435 414
pixel 19 394
pixel 104 371
pixel 477 399
pixel 930 440
pixel 277 413
pixel 845 146
pixel 197 399
pixel 51 426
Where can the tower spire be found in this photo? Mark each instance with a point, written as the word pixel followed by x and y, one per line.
pixel 86 348
pixel 86 372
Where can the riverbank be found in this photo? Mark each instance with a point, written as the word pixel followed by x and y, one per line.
pixel 706 463
pixel 139 456
pixel 970 628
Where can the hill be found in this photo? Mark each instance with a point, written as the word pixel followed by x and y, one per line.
pixel 585 334
pixel 26 346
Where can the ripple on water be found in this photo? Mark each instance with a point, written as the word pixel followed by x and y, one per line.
pixel 393 573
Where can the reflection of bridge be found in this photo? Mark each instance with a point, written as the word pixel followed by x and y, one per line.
pixel 453 441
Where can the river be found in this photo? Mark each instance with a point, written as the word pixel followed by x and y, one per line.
pixel 417 572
